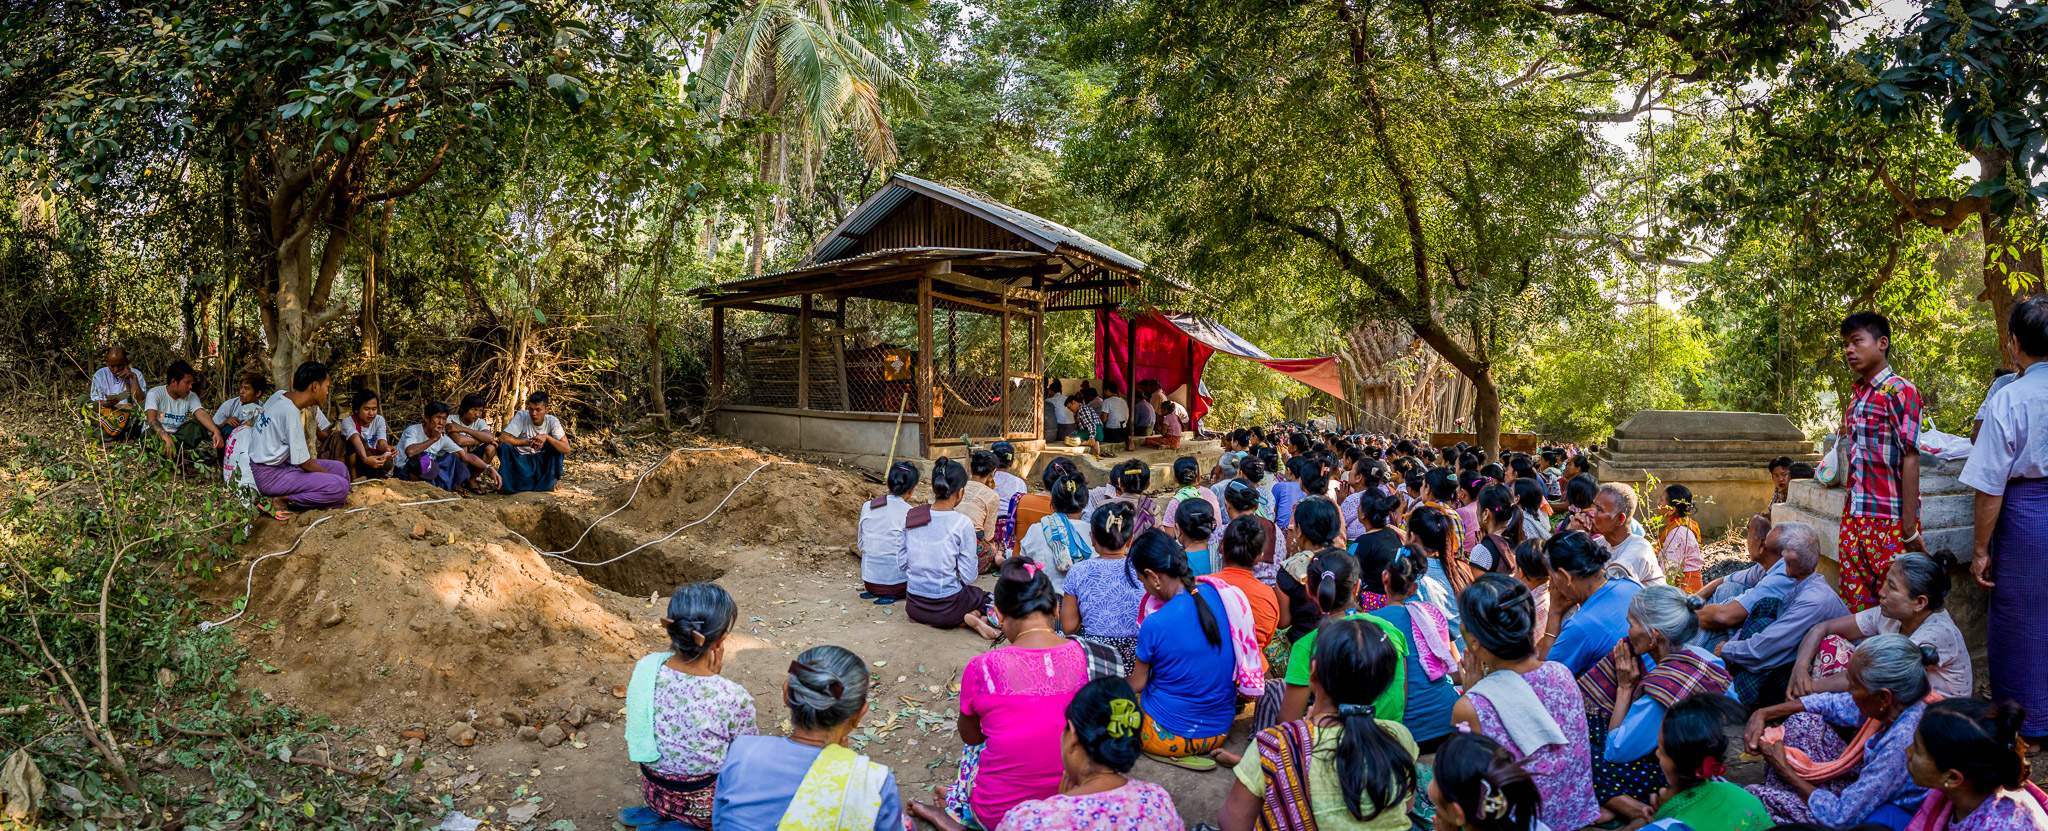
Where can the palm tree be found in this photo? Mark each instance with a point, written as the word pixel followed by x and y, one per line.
pixel 810 67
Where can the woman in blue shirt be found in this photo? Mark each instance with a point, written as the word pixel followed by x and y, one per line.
pixel 1186 676
pixel 1430 700
pixel 1580 579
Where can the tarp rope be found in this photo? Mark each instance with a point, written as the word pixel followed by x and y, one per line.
pixel 249 585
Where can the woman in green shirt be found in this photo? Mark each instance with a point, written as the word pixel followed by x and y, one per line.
pixel 1343 768
pixel 1332 580
pixel 1690 747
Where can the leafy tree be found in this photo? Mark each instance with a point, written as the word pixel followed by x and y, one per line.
pixel 810 70
pixel 329 108
pixel 1334 162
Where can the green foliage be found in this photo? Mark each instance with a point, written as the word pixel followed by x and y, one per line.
pixel 85 529
pixel 1578 383
pixel 1976 63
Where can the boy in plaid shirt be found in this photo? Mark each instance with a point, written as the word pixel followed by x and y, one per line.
pixel 1881 461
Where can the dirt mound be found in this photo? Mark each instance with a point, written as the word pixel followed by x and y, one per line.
pixel 791 505
pixel 429 613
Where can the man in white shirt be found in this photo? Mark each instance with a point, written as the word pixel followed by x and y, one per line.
pixel 1060 420
pixel 1610 517
pixel 179 425
pixel 1116 415
pixel 280 451
pixel 117 390
pixel 531 447
pixel 2008 468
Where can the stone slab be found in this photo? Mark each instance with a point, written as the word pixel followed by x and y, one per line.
pixel 1697 425
pixel 1710 447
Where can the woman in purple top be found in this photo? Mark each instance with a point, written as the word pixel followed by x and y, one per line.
pixel 1102 593
pixel 1969 757
pixel 1887 686
pixel 1499 618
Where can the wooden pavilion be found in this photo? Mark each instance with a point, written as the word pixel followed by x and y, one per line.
pixel 827 386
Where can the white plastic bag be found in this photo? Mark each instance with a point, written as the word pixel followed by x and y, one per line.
pixel 1830 471
pixel 1944 446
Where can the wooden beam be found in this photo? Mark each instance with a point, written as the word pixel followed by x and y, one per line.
pixel 925 352
pixel 990 307
pixel 827 282
pixel 772 308
pixel 717 354
pixel 989 286
pixel 803 354
pixel 1003 386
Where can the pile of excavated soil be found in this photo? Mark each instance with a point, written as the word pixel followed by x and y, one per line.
pixel 428 613
pixel 797 507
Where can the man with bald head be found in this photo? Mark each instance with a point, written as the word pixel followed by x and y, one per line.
pixel 117 390
pixel 1760 658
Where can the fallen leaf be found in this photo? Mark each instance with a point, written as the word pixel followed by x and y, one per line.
pixel 522 812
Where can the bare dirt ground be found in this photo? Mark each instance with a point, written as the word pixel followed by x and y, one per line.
pixel 478 669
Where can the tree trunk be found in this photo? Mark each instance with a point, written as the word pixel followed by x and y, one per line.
pixel 757 247
pixel 2001 268
pixel 291 312
pixel 366 319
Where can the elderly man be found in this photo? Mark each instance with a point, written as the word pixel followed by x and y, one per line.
pixel 1760 658
pixel 117 390
pixel 1610 524
pixel 1731 599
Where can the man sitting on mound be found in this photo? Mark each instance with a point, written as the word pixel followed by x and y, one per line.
pixel 531 447
pixel 280 450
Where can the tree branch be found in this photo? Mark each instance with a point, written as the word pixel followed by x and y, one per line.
pixel 433 167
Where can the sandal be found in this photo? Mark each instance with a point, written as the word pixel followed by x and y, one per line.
pixel 638 816
pixel 280 514
pixel 1199 764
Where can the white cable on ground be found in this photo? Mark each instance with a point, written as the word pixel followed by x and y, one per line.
pixel 249 587
pixel 629 500
pixel 671 535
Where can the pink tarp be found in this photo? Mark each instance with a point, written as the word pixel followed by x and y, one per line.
pixel 1174 348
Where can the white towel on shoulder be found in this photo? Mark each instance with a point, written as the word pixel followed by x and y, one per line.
pixel 1529 724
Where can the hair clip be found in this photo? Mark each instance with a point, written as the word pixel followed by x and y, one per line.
pixel 837 689
pixel 1712 768
pixel 1032 569
pixel 1349 710
pixel 1492 804
pixel 1123 718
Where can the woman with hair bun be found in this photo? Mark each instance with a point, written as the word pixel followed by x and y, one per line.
pixel 810 780
pixel 1969 756
pixel 1910 602
pixel 1582 579
pixel 1060 539
pixel 1692 749
pixel 1007 700
pixel 1102 592
pixel 1097 748
pixel 1193 525
pixel 1479 787
pixel 939 560
pixel 980 502
pixel 1343 767
pixel 1628 692
pixel 880 533
pixel 1187 478
pixel 1031 507
pixel 1532 707
pixel 1815 776
pixel 681 714
pixel 1430 661
pixel 1679 542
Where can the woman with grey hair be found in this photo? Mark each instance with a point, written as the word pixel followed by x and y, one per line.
pixel 1628 692
pixel 1909 603
pixel 810 779
pixel 1866 779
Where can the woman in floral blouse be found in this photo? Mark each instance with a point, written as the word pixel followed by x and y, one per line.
pixel 681 715
pixel 1097 749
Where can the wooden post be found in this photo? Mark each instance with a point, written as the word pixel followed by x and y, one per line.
pixel 1130 378
pixel 839 354
pixel 1003 391
pixel 803 354
pixel 925 382
pixel 718 353
pixel 1193 389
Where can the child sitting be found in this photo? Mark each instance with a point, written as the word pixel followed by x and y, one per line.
pixel 681 715
pixel 1680 541
pixel 369 442
pixel 938 558
pixel 472 429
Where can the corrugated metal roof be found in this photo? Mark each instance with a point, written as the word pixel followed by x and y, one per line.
pixel 1047 235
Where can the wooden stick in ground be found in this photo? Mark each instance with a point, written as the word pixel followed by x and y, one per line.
pixel 896 434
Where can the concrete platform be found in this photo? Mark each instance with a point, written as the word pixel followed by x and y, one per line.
pixel 1097 470
pixel 1723 457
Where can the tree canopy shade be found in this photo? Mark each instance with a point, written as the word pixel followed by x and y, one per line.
pixel 1353 162
pixel 311 112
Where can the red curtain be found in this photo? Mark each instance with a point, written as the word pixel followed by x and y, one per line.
pixel 1165 354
